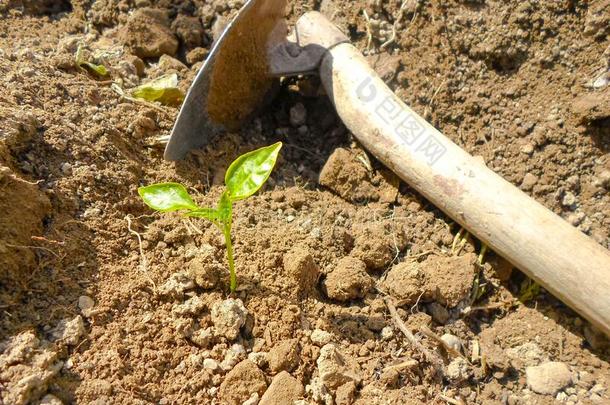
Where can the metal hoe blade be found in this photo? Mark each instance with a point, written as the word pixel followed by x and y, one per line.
pixel 235 79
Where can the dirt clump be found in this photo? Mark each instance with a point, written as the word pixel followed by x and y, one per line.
pixel 376 244
pixel 284 356
pixel 18 231
pixel 301 270
pixel 228 317
pixel 27 366
pixel 348 174
pixel 147 34
pixel 444 279
pixel 284 389
pixel 348 281
pixel 241 382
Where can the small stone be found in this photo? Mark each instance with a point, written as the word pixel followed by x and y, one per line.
pixel 228 317
pixel 284 356
pixel 298 115
pixel 259 358
pixel 168 64
pixel 284 389
pixel 548 378
pixel 253 400
pixel 452 342
pixel 348 281
pixel 387 333
pixel 211 364
pixel 604 179
pixel 177 284
pixel 458 370
pixel 527 149
pixel 192 306
pixel 69 331
pixel 569 200
pixel 438 312
pixel 529 181
pixel 241 382
pixel 66 168
pixel 233 356
pixel 86 305
pixel 196 55
pixel 336 368
pixel 92 213
pixel 203 337
pixel 320 337
pixel 346 394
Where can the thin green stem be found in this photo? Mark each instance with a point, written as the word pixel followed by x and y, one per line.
pixel 226 230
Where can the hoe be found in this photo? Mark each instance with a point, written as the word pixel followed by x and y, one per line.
pixel 256 49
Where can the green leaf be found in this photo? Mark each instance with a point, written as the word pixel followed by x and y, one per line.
pixel 250 171
pixel 163 89
pixel 100 70
pixel 167 197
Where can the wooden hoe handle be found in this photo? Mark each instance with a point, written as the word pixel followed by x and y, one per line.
pixel 549 250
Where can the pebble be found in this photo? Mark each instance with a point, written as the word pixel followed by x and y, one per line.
pixel 259 358
pixel 69 331
pixel 569 200
pixel 50 399
pixel 86 305
pixel 298 115
pixel 66 168
pixel 527 149
pixel 228 317
pixel 387 333
pixel 253 400
pixel 458 370
pixel 320 337
pixel 211 364
pixel 336 368
pixel 529 181
pixel 284 389
pixel 548 378
pixel 452 341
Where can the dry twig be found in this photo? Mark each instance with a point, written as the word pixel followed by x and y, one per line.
pixel 436 362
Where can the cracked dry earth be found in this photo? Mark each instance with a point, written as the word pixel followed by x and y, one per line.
pixel 90 315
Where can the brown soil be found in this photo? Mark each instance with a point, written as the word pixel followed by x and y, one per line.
pixel 86 318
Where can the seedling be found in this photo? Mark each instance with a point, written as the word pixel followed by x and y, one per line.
pixel 163 89
pixel 245 176
pixel 99 70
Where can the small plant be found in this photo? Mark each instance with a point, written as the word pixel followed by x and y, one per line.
pixel 163 89
pixel 245 176
pixel 99 70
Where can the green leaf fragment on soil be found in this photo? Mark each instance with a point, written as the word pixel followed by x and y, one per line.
pixel 163 89
pixel 250 171
pixel 99 70
pixel 167 197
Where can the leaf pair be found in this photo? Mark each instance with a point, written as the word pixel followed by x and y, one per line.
pixel 245 176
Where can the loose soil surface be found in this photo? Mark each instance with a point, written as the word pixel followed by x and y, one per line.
pixel 104 302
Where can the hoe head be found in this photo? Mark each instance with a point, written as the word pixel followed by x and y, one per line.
pixel 241 72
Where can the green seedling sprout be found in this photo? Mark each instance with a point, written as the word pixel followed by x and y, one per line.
pixel 99 70
pixel 245 176
pixel 163 89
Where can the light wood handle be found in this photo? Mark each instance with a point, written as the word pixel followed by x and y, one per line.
pixel 556 255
